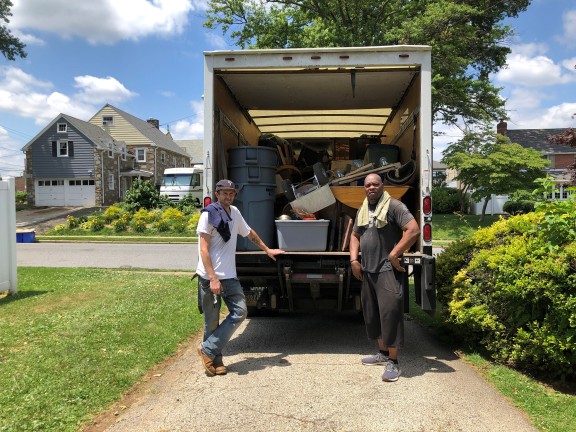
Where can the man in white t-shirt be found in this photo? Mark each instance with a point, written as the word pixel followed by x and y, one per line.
pixel 219 225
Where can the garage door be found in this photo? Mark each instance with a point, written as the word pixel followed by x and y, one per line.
pixel 66 192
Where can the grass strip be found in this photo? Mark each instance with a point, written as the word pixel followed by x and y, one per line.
pixel 550 409
pixel 74 340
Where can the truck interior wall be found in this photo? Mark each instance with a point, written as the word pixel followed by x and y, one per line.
pixel 225 102
pixel 404 138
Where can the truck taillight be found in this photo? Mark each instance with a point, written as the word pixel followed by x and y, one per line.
pixel 207 201
pixel 427 232
pixel 427 205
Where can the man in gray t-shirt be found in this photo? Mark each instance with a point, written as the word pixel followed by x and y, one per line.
pixel 384 228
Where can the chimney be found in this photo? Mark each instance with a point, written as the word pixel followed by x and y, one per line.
pixel 502 128
pixel 154 122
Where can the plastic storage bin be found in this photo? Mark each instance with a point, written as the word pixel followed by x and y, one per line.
pixel 302 235
pixel 25 236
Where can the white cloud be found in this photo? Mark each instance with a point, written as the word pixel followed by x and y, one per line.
pixel 216 41
pixel 23 95
pixel 194 129
pixel 103 21
pixel 95 90
pixel 557 116
pixel 569 27
pixel 526 69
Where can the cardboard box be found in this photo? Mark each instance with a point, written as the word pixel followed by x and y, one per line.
pixel 302 235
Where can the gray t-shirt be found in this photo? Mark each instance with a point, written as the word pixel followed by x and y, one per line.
pixel 376 243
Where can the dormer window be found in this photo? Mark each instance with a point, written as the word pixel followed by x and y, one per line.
pixel 107 121
pixel 62 127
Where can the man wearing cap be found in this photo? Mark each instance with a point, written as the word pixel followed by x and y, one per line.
pixel 219 225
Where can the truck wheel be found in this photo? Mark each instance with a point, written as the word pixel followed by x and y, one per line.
pixel 320 174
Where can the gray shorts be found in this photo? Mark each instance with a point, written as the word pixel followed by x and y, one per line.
pixel 383 307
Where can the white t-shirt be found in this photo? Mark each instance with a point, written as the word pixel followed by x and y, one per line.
pixel 222 254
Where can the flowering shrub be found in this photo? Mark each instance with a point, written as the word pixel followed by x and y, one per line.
pixel 514 290
pixel 122 223
pixel 72 222
pixel 113 212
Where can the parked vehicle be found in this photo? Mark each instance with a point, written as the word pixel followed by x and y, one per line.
pixel 297 130
pixel 180 182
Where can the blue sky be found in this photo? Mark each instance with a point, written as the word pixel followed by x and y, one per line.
pixel 145 57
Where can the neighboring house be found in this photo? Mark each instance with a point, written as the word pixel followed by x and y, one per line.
pixel 74 163
pixel 561 156
pixel 440 169
pixel 194 148
pixel 153 149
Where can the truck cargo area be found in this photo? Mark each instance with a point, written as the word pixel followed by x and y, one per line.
pixel 298 130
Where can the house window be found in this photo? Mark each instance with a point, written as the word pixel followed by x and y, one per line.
pixel 110 180
pixel 110 150
pixel 163 157
pixel 63 149
pixel 141 155
pixel 124 152
pixel 62 127
pixel 107 121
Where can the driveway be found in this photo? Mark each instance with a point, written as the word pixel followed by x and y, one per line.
pixel 301 372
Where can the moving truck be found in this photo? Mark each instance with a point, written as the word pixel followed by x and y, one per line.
pixel 297 130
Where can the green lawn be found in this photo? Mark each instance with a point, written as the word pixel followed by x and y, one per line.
pixel 449 227
pixel 74 340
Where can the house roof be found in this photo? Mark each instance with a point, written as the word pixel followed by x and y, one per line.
pixel 537 139
pixel 151 132
pixel 194 148
pixel 95 134
pixel 438 166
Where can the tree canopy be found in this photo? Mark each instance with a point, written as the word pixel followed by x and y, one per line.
pixel 467 38
pixel 490 163
pixel 10 46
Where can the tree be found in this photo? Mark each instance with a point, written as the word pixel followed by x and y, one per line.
pixel 567 137
pixel 10 46
pixel 466 38
pixel 489 163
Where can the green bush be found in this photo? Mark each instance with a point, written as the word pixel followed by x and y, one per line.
pixel 188 204
pixel 518 207
pixel 95 222
pixel 113 212
pixel 21 197
pixel 142 194
pixel 445 200
pixel 122 223
pixel 511 288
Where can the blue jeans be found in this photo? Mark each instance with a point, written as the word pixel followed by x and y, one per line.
pixel 217 334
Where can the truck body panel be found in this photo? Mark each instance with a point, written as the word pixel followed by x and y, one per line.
pixel 327 105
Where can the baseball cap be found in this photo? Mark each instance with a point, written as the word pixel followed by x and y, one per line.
pixel 225 184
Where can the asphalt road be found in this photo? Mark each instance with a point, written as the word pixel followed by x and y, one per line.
pixel 174 256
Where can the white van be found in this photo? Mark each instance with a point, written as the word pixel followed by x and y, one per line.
pixel 179 182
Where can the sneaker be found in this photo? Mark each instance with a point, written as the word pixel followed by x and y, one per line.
pixel 376 359
pixel 219 367
pixel 391 372
pixel 206 362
